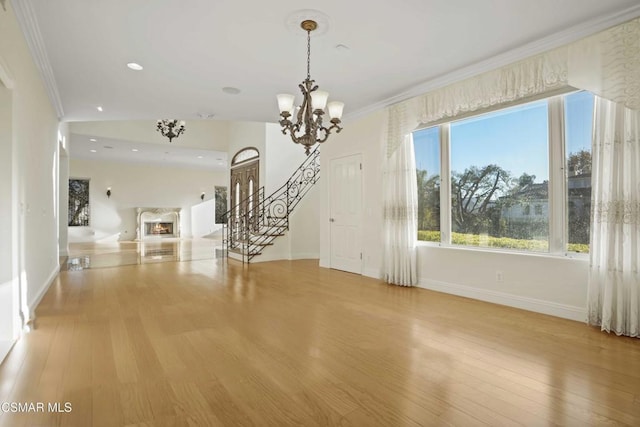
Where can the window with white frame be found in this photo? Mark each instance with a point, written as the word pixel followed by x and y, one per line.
pixel 497 190
pixel 427 148
pixel 79 209
pixel 578 131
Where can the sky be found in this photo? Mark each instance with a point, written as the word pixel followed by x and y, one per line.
pixel 516 139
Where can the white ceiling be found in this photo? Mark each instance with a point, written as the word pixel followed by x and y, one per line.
pixel 165 154
pixel 192 49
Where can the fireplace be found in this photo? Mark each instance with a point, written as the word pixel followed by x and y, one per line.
pixel 158 222
pixel 158 228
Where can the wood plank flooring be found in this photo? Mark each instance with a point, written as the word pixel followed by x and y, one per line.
pixel 211 342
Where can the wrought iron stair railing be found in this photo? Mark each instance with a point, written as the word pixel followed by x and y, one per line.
pixel 255 222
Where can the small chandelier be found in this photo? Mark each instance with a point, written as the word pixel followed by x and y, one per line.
pixel 308 128
pixel 170 128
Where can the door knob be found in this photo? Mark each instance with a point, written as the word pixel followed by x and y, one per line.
pixel 332 220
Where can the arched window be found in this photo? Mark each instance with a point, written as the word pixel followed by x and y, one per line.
pixel 244 155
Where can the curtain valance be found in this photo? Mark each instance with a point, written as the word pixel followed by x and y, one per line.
pixel 607 64
pixel 524 79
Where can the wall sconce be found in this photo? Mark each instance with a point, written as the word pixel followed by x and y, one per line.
pixel 108 192
pixel 202 196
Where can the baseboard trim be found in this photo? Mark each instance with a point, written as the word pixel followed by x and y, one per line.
pixel 33 304
pixel 372 272
pixel 276 257
pixel 5 348
pixel 307 255
pixel 525 303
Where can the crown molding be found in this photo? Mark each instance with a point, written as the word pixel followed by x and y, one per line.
pixel 29 24
pixel 544 44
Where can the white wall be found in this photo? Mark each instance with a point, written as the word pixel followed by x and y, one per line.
pixel 362 136
pixel 546 284
pixel 32 162
pixel 63 190
pixel 9 318
pixel 304 227
pixel 203 221
pixel 282 157
pixel 134 186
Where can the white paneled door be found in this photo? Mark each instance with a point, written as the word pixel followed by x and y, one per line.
pixel 345 216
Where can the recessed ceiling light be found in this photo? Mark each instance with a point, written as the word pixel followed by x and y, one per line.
pixel 99 108
pixel 93 151
pixel 231 90
pixel 134 149
pixel 93 140
pixel 201 157
pixel 135 66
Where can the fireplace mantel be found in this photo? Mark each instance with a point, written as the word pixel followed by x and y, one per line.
pixel 164 215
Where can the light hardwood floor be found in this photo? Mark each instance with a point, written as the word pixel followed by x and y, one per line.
pixel 212 342
pixel 112 254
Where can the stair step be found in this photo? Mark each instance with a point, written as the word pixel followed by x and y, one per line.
pixel 267 234
pixel 261 244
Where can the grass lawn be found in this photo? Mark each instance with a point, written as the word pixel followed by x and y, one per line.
pixel 483 240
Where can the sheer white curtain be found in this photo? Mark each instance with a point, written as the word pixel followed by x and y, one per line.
pixel 608 65
pixel 614 280
pixel 400 201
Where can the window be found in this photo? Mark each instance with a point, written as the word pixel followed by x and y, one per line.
pixel 427 147
pixel 78 202
pixel 244 155
pixel 578 123
pixel 500 184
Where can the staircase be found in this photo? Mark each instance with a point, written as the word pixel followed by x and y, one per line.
pixel 257 221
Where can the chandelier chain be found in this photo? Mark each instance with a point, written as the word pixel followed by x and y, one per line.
pixel 308 55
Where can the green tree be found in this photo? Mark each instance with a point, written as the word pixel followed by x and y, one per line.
pixel 579 163
pixel 220 195
pixel 525 180
pixel 475 194
pixel 428 200
pixel 78 202
pixel 579 197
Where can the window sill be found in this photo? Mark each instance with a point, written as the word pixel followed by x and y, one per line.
pixel 563 255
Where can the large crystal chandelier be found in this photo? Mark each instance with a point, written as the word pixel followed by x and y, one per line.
pixel 171 128
pixel 308 128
